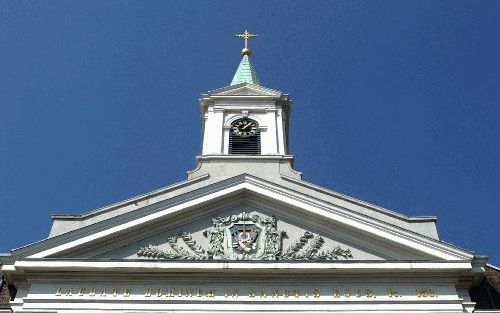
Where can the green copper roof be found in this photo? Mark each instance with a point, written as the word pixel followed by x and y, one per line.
pixel 245 72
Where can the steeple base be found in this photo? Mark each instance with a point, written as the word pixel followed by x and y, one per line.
pixel 271 167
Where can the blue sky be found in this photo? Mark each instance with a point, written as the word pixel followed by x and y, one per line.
pixel 394 102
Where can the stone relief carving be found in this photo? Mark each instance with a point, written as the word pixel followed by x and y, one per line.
pixel 245 237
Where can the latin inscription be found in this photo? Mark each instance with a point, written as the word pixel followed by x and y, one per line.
pixel 251 293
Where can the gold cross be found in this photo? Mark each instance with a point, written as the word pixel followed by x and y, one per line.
pixel 246 35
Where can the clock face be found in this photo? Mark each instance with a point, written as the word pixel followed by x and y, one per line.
pixel 244 127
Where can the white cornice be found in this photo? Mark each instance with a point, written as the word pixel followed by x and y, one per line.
pixel 358 223
pixel 371 268
pixel 255 88
pixel 397 215
pixel 362 223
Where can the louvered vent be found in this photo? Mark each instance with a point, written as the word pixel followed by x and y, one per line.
pixel 244 145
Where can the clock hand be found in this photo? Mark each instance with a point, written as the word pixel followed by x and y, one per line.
pixel 247 125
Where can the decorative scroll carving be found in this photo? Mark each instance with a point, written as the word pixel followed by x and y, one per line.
pixel 245 237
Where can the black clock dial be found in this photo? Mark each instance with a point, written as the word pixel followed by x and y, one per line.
pixel 244 127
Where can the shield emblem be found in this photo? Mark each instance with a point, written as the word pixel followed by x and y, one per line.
pixel 244 238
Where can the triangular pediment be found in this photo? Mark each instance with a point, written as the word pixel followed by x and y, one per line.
pixel 200 223
pixel 245 89
pixel 248 230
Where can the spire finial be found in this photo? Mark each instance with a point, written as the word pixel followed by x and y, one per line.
pixel 245 36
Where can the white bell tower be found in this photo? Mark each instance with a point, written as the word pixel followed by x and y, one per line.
pixel 245 113
pixel 245 125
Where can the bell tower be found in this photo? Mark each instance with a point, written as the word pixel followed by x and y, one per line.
pixel 245 123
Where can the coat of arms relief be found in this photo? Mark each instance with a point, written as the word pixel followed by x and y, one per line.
pixel 245 237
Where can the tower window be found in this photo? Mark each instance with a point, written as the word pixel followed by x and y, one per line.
pixel 244 137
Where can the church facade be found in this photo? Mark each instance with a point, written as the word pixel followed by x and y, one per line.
pixel 243 233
